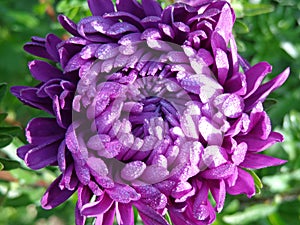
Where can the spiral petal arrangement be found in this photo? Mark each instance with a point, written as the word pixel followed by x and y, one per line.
pixel 151 108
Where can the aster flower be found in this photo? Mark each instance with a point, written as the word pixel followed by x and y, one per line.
pixel 151 108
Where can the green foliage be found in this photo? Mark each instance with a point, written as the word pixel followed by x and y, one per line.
pixel 251 214
pixel 265 30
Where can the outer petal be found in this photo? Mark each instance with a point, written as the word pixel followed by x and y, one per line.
pixel 99 7
pixel 42 156
pixel 130 6
pixel 41 131
pixel 149 215
pixel 124 214
pixel 54 196
pixel 244 184
pixel 256 145
pixel 258 161
pixel 43 71
pixel 264 90
pixel 68 24
pixel 255 75
pixel 151 8
pixel 98 207
pixel 218 191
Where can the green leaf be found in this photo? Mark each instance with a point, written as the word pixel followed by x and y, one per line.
pixel 257 181
pixel 5 140
pixel 240 27
pixel 257 9
pixel 168 218
pixel 275 219
pixel 251 214
pixel 9 164
pixel 3 116
pixel 21 200
pixel 269 103
pixel 13 131
pixel 25 176
pixel 3 88
pixel 1 166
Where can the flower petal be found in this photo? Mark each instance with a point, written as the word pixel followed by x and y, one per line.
pixel 264 90
pixel 259 161
pixel 124 214
pixel 149 215
pixel 98 207
pixel 54 196
pixel 99 7
pixel 244 184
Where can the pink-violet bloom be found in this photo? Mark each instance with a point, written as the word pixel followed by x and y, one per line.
pixel 151 108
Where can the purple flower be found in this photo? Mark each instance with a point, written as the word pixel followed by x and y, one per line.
pixel 151 108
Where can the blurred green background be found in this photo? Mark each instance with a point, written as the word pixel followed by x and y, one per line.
pixel 265 31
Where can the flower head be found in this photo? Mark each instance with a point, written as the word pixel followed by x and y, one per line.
pixel 151 108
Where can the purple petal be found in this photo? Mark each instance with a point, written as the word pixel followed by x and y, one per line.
pixel 202 209
pixel 84 195
pixel 98 166
pixel 69 179
pixel 98 207
pixel 68 24
pixel 133 170
pixel 218 191
pixel 244 184
pixel 166 16
pixel 29 96
pixel 239 153
pixel 152 197
pixel 151 8
pixel 124 214
pixel 43 71
pixel 130 6
pixel 259 161
pixel 95 188
pixel 219 172
pixel 206 14
pixel 22 151
pixel 89 51
pixel 109 216
pixel 179 217
pixel 123 194
pixel 40 131
pixel 151 33
pixel 37 49
pixel 121 28
pixel 74 63
pixel 264 90
pixel 52 42
pixel 151 22
pixel 99 7
pixel 257 145
pixel 149 216
pixel 42 156
pixel 167 30
pixel 107 51
pixel 222 65
pixel 181 189
pixel 230 105
pixel 236 84
pixel 125 17
pixel 130 39
pixel 226 21
pixel 61 156
pixel 94 25
pixel 54 196
pixel 260 126
pixel 255 76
